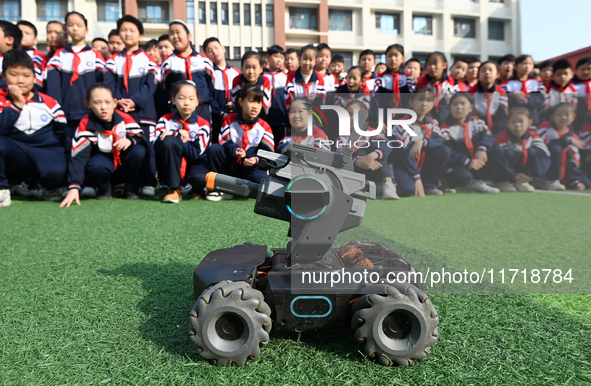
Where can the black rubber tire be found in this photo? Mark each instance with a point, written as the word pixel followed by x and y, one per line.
pixel 230 322
pixel 397 324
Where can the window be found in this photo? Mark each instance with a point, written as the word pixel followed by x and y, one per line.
pixel 237 53
pixel 496 30
pixel 303 18
pixel 422 25
pixel 202 12
pixel 464 28
pixel 107 11
pixel 213 12
pixel 227 53
pixel 246 14
pixel 258 15
pixel 191 12
pixel 496 1
pixel 52 10
pixel 236 14
pixel 153 11
pixel 270 15
pixel 387 23
pixel 11 10
pixel 225 15
pixel 340 20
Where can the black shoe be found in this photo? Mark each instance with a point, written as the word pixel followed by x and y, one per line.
pixel 105 196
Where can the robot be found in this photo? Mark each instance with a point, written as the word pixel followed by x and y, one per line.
pixel 243 292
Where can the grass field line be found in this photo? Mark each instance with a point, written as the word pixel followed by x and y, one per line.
pixel 565 192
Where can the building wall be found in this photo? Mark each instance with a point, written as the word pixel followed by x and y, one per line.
pixel 363 34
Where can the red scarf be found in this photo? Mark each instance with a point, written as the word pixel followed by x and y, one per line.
pixel 227 91
pixel 188 74
pixel 524 151
pixel 468 138
pixel 75 65
pixel 183 169
pixel 427 134
pixel 127 69
pixel 116 152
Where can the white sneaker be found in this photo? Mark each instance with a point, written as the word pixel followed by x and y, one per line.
pixel 88 192
pixel 389 191
pixel 479 186
pixel 5 197
pixel 148 191
pixel 524 187
pixel 218 196
pixel 506 186
pixel 554 185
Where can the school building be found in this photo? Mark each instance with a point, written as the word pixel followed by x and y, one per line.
pixel 460 28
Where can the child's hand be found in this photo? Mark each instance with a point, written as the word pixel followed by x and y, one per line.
pixel 419 188
pixel 165 134
pixel 126 104
pixel 122 144
pixel 368 162
pixel 17 96
pixel 73 195
pixel 580 186
pixel 476 164
pixel 248 162
pixel 240 153
pixel 184 134
pixel 578 143
pixel 481 156
pixel 415 150
pixel 230 106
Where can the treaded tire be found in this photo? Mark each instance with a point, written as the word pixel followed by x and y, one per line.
pixel 396 328
pixel 230 322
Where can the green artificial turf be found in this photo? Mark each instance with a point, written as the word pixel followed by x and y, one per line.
pixel 101 293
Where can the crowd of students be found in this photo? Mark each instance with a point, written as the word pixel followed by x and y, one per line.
pixel 116 119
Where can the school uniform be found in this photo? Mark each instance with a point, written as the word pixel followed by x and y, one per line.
pixel 387 89
pixel 343 96
pixel 492 106
pixel 222 93
pixel 296 86
pixel 195 67
pixel 430 164
pixel 31 140
pixel 369 82
pixel 583 89
pixel 443 90
pixel 465 139
pixel 264 84
pixel 318 139
pixel 133 75
pixel 585 136
pixel 236 133
pixel 277 117
pixel 533 91
pixel 331 82
pixel 566 158
pixel 38 59
pixel 94 160
pixel 527 154
pixel 365 146
pixel 69 73
pixel 177 160
pixel 554 95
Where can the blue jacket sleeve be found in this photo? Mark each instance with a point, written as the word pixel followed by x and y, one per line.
pixel 111 81
pixel 54 84
pixel 8 118
pixel 145 92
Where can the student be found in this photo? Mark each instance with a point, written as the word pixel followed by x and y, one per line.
pixel 31 127
pixel 564 145
pixel 165 48
pixel 380 68
pixel 372 159
pixel 277 116
pixel 298 120
pixel 224 75
pixel 412 69
pixel 418 165
pixel 322 63
pixel 115 43
pixel 292 60
pixel 71 70
pixel 102 46
pixel 582 83
pixel 182 138
pixel 437 79
pixel 525 156
pixel 393 80
pixel 490 100
pixel 56 37
pixel 28 43
pixel 506 67
pixel 353 89
pixel 472 73
pixel 524 88
pixel 475 157
pixel 10 37
pixel 131 75
pixel 546 72
pixel 367 61
pixel 337 67
pixel 187 64
pixel 252 73
pixel 458 71
pixel 242 135
pixel 560 89
pixel 305 81
pixel 151 48
pixel 106 148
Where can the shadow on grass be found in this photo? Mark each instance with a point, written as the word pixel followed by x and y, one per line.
pixel 169 300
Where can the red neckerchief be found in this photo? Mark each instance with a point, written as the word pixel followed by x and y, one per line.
pixel 272 73
pixel 395 88
pixel 187 59
pixel 427 134
pixel 468 138
pixel 524 151
pixel 116 152
pixel 127 66
pixel 75 65
pixel 477 88
pixel 226 83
